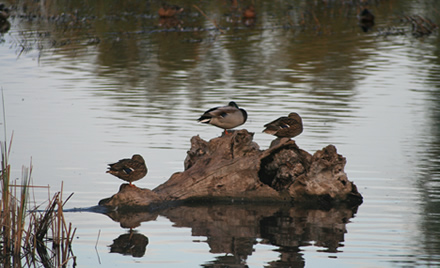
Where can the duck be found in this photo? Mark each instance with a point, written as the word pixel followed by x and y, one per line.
pixel 169 11
pixel 249 13
pixel 4 12
pixel 129 169
pixel 366 16
pixel 249 16
pixel 285 126
pixel 366 20
pixel 4 26
pixel 226 117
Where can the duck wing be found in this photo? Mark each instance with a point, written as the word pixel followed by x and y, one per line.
pixel 284 127
pixel 277 123
pixel 126 166
pixel 119 166
pixel 128 170
pixel 216 112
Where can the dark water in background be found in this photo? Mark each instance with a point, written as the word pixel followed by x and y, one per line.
pixel 85 85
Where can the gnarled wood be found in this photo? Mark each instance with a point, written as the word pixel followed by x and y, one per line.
pixel 232 168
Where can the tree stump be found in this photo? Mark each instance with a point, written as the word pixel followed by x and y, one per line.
pixel 232 168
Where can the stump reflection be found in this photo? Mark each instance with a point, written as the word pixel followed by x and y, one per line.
pixel 234 230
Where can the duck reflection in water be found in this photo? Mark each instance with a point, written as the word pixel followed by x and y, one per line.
pixel 131 243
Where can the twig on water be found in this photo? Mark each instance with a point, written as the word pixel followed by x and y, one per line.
pixel 213 21
pixel 30 186
pixel 96 246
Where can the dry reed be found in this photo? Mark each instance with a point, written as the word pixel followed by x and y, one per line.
pixel 31 238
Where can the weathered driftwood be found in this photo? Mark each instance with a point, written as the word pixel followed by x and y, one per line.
pixel 131 197
pixel 232 168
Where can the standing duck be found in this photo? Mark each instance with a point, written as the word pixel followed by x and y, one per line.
pixel 169 11
pixel 129 169
pixel 289 127
pixel 225 117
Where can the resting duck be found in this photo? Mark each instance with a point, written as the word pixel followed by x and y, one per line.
pixel 4 12
pixel 366 20
pixel 285 126
pixel 129 169
pixel 169 11
pixel 366 16
pixel 225 117
pixel 249 16
pixel 249 13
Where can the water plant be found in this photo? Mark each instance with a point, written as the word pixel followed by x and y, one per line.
pixel 31 237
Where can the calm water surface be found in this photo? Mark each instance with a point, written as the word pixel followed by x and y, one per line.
pixel 87 85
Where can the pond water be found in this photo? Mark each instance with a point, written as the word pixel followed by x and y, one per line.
pixel 88 84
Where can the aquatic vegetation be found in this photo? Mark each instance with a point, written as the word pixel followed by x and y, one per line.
pixel 31 237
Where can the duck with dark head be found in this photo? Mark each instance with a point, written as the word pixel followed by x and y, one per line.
pixel 225 117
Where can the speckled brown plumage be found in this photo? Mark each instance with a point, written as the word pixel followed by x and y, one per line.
pixel 290 126
pixel 129 169
pixel 169 11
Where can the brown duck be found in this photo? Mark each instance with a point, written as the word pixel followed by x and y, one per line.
pixel 249 13
pixel 4 13
pixel 289 127
pixel 129 169
pixel 169 11
pixel 366 20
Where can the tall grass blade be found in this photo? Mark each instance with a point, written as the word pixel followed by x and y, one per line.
pixel 24 233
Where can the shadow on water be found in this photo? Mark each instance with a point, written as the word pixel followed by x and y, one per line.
pixel 234 230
